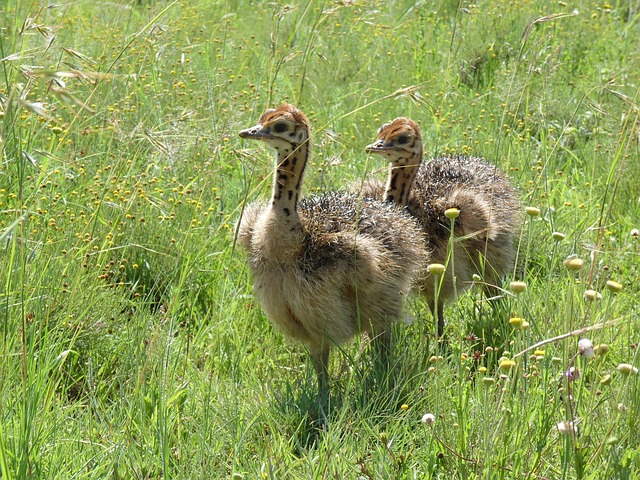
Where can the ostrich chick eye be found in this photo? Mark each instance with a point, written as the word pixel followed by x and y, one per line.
pixel 280 127
pixel 403 139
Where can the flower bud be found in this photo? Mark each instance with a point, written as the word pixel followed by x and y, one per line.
pixel 606 380
pixel 507 365
pixel 591 295
pixel 516 322
pixel 601 349
pixel 627 369
pixel 452 213
pixel 532 211
pixel 573 263
pixel 613 286
pixel 436 268
pixel 517 287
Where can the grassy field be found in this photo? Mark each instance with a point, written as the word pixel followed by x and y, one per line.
pixel 131 344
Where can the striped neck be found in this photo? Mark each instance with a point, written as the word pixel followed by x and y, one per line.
pixel 400 180
pixel 291 162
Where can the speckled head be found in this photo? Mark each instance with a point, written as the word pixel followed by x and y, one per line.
pixel 399 141
pixel 280 127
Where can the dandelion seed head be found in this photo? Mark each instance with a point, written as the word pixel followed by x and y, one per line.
pixel 428 419
pixel 585 347
pixel 566 427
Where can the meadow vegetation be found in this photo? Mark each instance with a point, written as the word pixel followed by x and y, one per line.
pixel 131 345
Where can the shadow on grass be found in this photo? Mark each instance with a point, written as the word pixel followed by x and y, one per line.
pixel 368 388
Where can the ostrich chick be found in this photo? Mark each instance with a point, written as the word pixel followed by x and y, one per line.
pixel 328 266
pixel 488 205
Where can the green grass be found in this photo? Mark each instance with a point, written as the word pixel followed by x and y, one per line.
pixel 131 344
